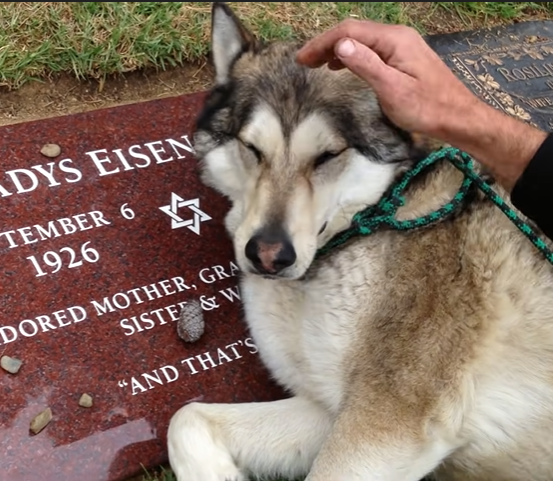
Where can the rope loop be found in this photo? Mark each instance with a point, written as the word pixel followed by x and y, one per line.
pixel 369 220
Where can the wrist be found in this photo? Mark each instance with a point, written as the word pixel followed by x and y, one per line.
pixel 500 142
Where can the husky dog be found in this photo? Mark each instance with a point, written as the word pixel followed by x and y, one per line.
pixel 407 354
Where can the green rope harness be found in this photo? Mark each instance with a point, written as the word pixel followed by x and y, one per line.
pixel 383 213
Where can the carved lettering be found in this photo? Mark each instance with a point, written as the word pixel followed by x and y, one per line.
pixel 209 275
pixel 150 292
pixel 148 320
pixel 54 228
pixel 107 162
pixel 222 355
pixel 528 72
pixel 138 156
pixel 539 102
pixel 165 375
pixel 43 323
pixel 27 180
pixel 231 293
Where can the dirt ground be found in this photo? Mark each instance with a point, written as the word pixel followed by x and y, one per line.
pixel 65 95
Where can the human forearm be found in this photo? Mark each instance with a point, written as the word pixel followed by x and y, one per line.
pixel 502 143
pixel 519 156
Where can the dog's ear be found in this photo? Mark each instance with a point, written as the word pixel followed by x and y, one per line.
pixel 229 39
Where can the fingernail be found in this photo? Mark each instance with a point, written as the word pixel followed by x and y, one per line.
pixel 346 49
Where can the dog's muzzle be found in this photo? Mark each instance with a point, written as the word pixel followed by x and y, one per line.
pixel 270 251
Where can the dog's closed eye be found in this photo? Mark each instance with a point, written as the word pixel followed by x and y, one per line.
pixel 326 157
pixel 254 150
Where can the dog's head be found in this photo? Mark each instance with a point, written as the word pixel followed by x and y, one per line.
pixel 297 151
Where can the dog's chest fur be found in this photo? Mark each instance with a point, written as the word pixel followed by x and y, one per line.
pixel 447 323
pixel 304 328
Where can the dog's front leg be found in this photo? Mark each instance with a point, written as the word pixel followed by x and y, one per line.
pixel 363 447
pixel 227 442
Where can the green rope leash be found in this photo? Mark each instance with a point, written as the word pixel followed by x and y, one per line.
pixel 383 213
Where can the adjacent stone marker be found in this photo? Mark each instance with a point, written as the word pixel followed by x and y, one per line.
pixel 510 67
pixel 109 244
pixel 103 249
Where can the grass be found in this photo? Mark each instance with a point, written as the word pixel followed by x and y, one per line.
pixel 97 39
pixel 505 10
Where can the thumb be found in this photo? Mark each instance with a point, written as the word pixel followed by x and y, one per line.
pixel 363 62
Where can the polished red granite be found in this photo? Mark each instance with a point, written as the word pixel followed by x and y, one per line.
pixel 100 249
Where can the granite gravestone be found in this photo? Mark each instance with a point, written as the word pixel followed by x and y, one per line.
pixel 105 244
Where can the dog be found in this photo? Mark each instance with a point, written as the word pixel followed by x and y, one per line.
pixel 406 354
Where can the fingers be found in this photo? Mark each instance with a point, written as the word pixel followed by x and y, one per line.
pixel 365 63
pixel 380 38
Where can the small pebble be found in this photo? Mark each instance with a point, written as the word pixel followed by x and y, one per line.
pixel 41 421
pixel 51 150
pixel 10 364
pixel 191 325
pixel 85 401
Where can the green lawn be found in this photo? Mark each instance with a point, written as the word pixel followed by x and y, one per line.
pixel 95 39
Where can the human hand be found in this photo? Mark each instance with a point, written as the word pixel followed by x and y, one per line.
pixel 416 90
pixel 420 94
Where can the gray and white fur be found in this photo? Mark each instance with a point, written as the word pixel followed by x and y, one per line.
pixel 427 352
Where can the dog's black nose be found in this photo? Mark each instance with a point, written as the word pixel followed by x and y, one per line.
pixel 270 252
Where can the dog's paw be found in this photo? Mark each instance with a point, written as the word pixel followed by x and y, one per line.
pixel 194 452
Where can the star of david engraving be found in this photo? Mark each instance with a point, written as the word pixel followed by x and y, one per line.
pixel 172 210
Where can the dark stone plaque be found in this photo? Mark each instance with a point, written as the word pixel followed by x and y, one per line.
pixel 101 248
pixel 509 67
